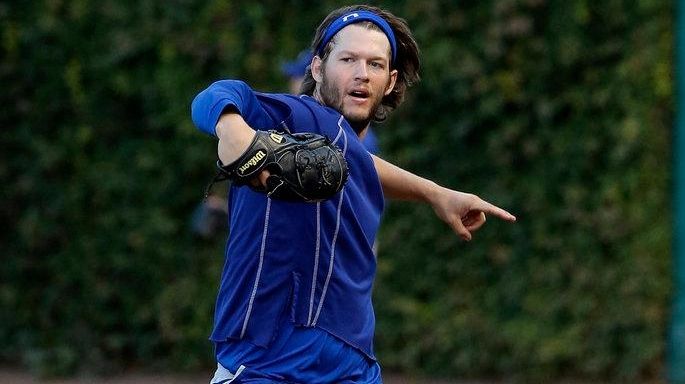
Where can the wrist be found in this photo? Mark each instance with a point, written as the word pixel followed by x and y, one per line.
pixel 234 136
pixel 432 191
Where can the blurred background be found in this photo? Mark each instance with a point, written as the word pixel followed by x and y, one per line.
pixel 560 111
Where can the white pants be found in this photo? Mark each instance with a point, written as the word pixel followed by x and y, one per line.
pixel 224 376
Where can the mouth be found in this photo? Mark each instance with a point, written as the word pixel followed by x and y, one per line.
pixel 359 94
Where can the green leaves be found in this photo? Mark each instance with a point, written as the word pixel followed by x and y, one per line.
pixel 558 111
pixel 552 110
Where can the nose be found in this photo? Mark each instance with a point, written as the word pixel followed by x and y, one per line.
pixel 362 72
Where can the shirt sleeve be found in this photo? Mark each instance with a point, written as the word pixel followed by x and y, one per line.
pixel 209 104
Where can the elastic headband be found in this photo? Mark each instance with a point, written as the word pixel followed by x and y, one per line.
pixel 355 17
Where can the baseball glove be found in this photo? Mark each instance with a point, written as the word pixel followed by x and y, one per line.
pixel 304 167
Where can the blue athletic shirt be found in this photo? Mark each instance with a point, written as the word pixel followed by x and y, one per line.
pixel 312 263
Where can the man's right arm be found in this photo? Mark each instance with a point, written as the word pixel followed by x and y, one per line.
pixel 228 110
pixel 227 96
pixel 219 110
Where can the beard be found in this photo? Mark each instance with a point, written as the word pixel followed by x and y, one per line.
pixel 331 95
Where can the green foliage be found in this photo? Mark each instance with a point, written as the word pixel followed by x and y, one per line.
pixel 559 111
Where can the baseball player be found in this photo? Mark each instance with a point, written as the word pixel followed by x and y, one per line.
pixel 294 305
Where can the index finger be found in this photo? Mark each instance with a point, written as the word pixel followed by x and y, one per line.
pixel 496 211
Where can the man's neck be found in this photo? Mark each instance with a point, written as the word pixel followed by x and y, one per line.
pixel 359 128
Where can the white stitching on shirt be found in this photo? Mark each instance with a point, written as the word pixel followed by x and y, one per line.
pixel 259 268
pixel 316 261
pixel 335 235
pixel 340 133
pixel 332 259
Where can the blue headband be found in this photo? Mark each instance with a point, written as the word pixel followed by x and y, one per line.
pixel 355 17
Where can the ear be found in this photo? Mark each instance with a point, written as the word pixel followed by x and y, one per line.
pixel 391 83
pixel 316 66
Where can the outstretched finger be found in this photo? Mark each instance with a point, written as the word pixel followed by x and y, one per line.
pixel 496 211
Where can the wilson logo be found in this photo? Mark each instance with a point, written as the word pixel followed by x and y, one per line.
pixel 276 137
pixel 254 160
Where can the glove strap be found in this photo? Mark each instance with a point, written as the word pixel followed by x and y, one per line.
pixel 220 176
pixel 246 166
pixel 251 162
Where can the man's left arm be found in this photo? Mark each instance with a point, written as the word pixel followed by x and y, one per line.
pixel 464 212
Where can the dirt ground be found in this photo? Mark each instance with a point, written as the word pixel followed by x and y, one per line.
pixel 13 376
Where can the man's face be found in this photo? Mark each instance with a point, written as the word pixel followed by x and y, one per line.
pixel 357 75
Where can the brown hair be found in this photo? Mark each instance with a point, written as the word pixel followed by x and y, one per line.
pixel 406 63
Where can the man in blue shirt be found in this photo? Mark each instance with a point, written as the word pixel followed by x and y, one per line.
pixel 294 304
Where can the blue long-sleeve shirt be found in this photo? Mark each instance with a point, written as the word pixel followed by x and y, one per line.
pixel 311 262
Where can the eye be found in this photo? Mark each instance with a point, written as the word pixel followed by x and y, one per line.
pixel 346 59
pixel 377 65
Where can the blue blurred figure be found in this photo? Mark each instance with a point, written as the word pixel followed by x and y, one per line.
pixel 209 217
